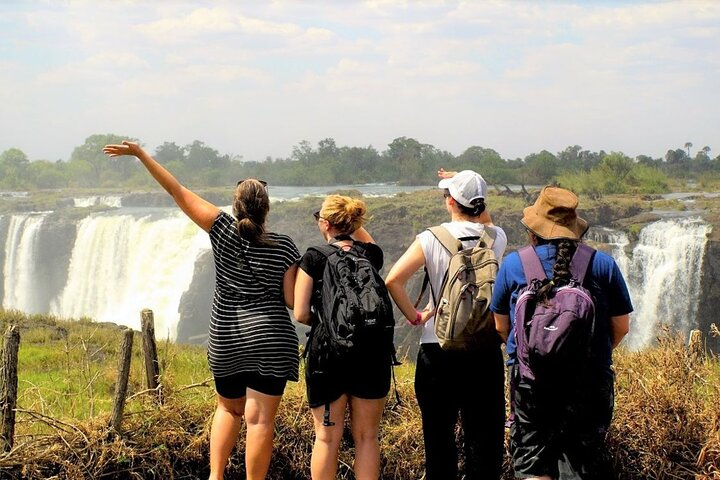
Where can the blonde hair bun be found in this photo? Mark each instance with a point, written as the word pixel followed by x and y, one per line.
pixel 346 214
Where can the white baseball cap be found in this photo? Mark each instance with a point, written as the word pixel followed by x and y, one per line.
pixel 465 187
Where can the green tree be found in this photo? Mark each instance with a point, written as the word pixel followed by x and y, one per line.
pixel 614 169
pixel 488 163
pixel 101 167
pixel 168 152
pixel 200 156
pixel 570 159
pixel 404 158
pixel 44 174
pixel 13 164
pixel 688 146
pixel 541 167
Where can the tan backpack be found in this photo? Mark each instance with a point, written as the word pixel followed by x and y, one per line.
pixel 463 320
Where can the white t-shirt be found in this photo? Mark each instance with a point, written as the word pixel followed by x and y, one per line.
pixel 437 259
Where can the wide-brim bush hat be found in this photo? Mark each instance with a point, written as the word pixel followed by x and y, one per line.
pixel 554 215
pixel 465 187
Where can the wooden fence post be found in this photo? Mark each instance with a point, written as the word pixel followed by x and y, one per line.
pixel 152 366
pixel 9 386
pixel 122 381
pixel 696 349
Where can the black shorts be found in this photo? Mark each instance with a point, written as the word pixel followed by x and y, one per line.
pixel 235 386
pixel 363 376
pixel 560 431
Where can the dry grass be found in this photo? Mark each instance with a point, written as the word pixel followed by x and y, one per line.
pixel 666 426
pixel 667 414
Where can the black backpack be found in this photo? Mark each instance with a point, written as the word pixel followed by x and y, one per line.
pixel 353 312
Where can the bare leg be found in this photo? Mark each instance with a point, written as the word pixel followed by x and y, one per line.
pixel 224 431
pixel 365 418
pixel 323 464
pixel 260 410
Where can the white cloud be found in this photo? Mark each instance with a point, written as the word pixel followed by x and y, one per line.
pixel 254 78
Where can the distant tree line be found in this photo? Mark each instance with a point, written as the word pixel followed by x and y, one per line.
pixel 405 160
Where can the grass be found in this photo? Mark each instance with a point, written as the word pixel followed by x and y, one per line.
pixel 666 423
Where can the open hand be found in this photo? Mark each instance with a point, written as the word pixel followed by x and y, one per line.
pixel 126 148
pixel 442 173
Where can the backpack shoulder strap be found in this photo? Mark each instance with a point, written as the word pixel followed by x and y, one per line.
pixel 488 236
pixel 446 239
pixel 531 265
pixel 581 261
pixel 326 249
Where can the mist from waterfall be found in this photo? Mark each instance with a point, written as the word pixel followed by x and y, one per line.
pixel 121 264
pixel 20 269
pixel 663 274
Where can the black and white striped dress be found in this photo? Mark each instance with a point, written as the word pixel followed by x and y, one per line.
pixel 250 328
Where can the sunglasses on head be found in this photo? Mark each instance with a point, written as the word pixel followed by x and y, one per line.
pixel 316 215
pixel 262 182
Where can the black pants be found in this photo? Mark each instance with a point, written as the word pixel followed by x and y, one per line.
pixel 470 384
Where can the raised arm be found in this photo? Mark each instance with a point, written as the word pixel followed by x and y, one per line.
pixel 362 235
pixel 200 211
pixel 442 173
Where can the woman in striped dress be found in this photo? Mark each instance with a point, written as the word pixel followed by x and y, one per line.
pixel 252 347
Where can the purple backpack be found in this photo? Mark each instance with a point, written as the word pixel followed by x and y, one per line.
pixel 555 336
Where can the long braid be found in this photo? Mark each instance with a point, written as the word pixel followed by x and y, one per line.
pixel 564 251
pixel 561 270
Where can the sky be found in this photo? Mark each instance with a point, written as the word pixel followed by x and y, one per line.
pixel 255 78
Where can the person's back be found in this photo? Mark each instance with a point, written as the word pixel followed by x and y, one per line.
pixel 356 380
pixel 248 306
pixel 252 345
pixel 560 421
pixel 448 383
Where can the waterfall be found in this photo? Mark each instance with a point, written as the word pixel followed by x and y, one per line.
pixel 111 265
pixel 20 269
pixel 121 264
pixel 114 201
pixel 663 274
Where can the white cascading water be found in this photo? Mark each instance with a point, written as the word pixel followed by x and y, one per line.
pixel 663 275
pixel 121 264
pixel 19 272
pixel 114 201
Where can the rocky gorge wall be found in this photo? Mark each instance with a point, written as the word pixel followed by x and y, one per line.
pixel 710 287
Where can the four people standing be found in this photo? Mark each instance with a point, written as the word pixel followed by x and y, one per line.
pixel 252 347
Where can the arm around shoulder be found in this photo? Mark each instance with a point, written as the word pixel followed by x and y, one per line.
pixel 362 235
